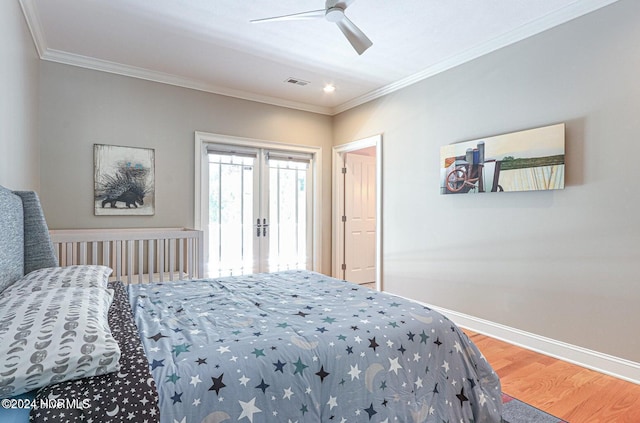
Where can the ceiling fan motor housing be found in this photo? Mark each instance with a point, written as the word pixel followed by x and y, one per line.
pixel 334 14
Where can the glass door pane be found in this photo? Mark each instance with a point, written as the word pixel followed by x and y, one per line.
pixel 259 213
pixel 288 227
pixel 231 210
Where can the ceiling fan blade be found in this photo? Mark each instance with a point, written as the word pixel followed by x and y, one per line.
pixel 296 16
pixel 356 37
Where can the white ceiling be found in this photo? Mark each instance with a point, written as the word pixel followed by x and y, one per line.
pixel 210 45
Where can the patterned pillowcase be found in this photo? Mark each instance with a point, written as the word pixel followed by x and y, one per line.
pixel 54 335
pixel 79 276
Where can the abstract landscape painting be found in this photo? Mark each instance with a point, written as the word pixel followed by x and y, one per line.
pixel 528 160
pixel 123 181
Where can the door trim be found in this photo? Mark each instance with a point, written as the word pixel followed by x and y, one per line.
pixel 201 183
pixel 338 203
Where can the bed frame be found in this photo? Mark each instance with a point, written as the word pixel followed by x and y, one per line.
pixel 24 238
pixel 334 337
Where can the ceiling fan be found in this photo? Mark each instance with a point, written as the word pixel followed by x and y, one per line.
pixel 334 11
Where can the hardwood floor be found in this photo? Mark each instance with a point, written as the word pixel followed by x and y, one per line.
pixel 567 391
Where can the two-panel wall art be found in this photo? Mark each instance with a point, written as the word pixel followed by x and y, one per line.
pixel 124 182
pixel 528 160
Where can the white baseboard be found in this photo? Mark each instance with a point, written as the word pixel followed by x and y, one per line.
pixel 594 360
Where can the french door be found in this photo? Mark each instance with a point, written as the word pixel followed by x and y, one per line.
pixel 259 210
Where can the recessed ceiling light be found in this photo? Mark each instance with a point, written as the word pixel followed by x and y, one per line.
pixel 329 88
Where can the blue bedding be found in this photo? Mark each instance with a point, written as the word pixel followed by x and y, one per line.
pixel 299 346
pixel 17 411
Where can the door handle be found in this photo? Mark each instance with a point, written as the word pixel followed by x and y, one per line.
pixel 264 227
pixel 258 227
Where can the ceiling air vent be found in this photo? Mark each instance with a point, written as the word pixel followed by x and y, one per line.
pixel 296 81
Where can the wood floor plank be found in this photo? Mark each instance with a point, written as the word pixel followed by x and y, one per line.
pixel 565 390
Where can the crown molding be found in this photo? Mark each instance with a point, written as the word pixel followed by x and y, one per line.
pixel 566 14
pixel 165 78
pixel 53 55
pixel 33 23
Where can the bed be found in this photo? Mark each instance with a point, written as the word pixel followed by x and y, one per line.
pixel 293 346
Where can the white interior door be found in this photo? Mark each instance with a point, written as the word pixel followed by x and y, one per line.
pixel 360 218
pixel 259 204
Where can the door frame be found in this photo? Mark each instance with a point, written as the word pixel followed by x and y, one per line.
pixel 338 203
pixel 201 184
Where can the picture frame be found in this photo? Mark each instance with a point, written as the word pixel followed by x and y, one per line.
pixel 530 160
pixel 124 180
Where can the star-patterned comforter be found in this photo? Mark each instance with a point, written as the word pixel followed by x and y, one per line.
pixel 299 346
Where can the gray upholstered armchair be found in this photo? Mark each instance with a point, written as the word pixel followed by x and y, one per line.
pixel 25 244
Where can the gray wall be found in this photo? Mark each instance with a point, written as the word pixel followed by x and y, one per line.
pixel 19 148
pixel 562 264
pixel 80 107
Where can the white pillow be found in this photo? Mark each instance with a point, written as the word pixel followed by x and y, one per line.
pixel 54 335
pixel 78 276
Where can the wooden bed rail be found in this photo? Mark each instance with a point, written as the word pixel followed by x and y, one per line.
pixel 135 255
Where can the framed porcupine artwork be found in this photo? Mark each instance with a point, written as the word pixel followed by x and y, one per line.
pixel 123 181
